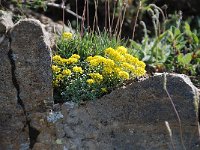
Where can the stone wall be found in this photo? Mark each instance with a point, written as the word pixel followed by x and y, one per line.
pixel 25 81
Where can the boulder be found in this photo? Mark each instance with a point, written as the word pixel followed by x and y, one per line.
pixel 134 117
pixel 32 57
pixel 12 125
pixel 25 84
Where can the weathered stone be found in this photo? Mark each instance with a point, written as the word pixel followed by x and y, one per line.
pixel 133 117
pixel 12 124
pixel 25 85
pixel 68 132
pixel 38 121
pixel 41 146
pixel 59 130
pixel 32 57
pixel 45 137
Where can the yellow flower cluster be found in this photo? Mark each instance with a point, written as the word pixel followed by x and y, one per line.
pixel 66 72
pixel 72 60
pixel 90 81
pixel 55 68
pixel 94 78
pixel 118 62
pixel 97 77
pixel 115 66
pixel 61 67
pixel 67 35
pixel 77 69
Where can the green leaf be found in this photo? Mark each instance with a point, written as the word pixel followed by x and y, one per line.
pixel 177 32
pixel 196 39
pixel 135 45
pixel 180 57
pixel 187 27
pixel 185 59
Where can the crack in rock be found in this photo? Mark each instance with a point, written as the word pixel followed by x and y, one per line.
pixel 33 133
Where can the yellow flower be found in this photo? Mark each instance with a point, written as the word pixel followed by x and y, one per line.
pixel 109 51
pixel 124 75
pixel 59 77
pixel 90 81
pixel 96 76
pixel 77 69
pixel 75 56
pixel 55 83
pixel 121 50
pixel 131 59
pixel 109 62
pixel 139 71
pixel 57 58
pixel 64 60
pixel 107 70
pixel 71 60
pixel 67 35
pixel 66 72
pixel 117 69
pixel 89 58
pixel 55 68
pixel 141 64
pixel 94 62
pixel 127 67
pixel 104 90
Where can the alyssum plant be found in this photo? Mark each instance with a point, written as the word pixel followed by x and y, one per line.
pixel 80 75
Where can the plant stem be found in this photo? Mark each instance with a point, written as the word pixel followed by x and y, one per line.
pixel 120 29
pixel 106 14
pixel 113 17
pixel 83 18
pixel 88 15
pixel 118 21
pixel 76 16
pixel 175 110
pixel 63 5
pixel 136 18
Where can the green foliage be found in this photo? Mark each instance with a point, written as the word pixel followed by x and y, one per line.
pixel 88 44
pixel 175 50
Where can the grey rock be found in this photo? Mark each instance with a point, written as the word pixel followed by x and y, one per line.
pixel 11 114
pixel 54 116
pixel 25 84
pixel 68 132
pixel 41 146
pixel 30 46
pixel 60 133
pixel 45 137
pixel 133 117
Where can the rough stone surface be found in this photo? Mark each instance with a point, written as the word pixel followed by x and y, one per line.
pixel 134 117
pixel 11 114
pixel 25 85
pixel 31 54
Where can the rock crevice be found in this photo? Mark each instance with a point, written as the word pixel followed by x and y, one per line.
pixel 32 132
pixel 25 82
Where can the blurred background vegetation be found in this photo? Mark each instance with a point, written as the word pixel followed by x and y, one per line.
pixel 171 8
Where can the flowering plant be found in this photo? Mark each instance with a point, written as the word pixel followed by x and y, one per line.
pixel 80 79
